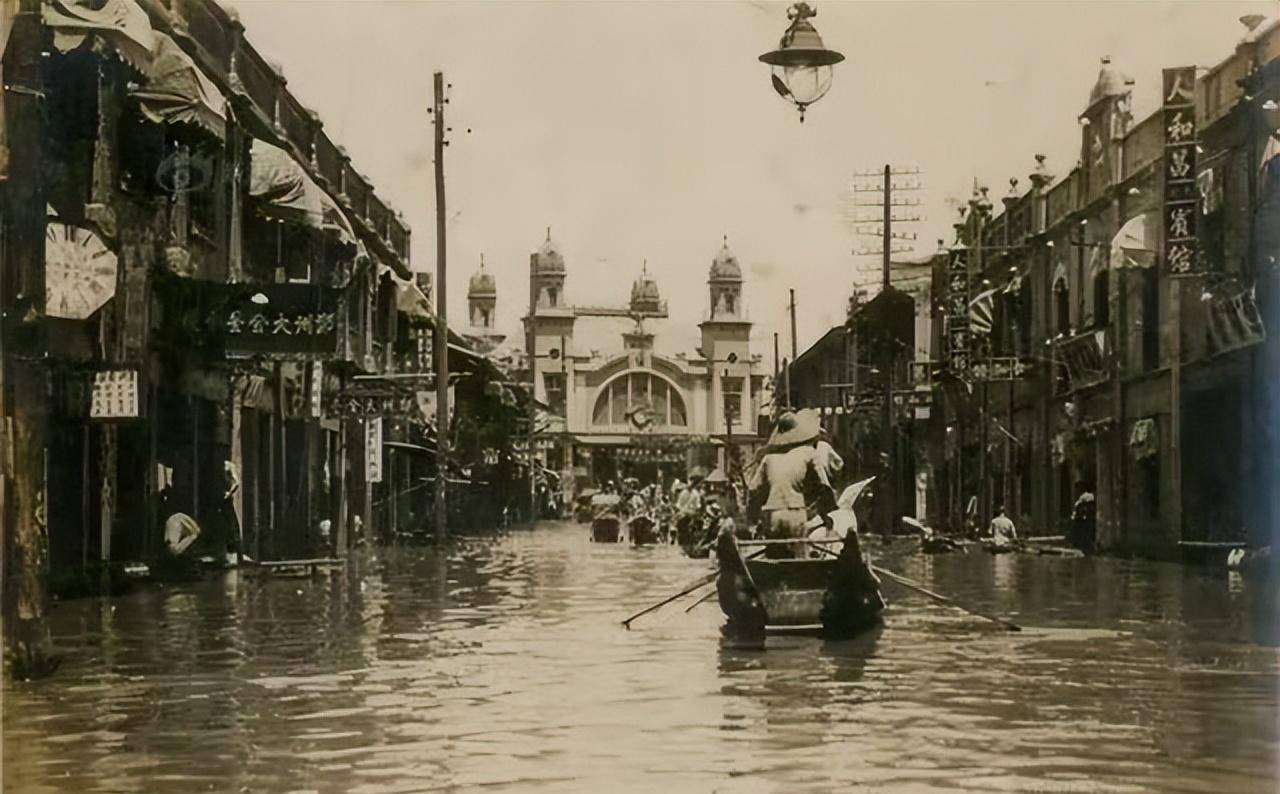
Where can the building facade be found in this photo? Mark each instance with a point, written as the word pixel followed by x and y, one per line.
pixel 1098 359
pixel 621 398
pixel 201 296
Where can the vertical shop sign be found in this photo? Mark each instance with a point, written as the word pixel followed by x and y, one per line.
pixel 373 450
pixel 957 312
pixel 1181 251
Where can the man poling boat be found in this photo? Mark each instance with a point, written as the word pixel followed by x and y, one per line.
pixel 813 575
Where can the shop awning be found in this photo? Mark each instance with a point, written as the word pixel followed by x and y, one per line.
pixel 411 301
pixel 289 193
pixel 176 91
pixel 1135 245
pixel 121 24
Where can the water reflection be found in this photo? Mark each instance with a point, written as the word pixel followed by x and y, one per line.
pixel 501 665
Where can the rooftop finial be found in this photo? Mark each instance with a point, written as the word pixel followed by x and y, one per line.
pixel 548 234
pixel 726 241
pixel 482 260
pixel 644 267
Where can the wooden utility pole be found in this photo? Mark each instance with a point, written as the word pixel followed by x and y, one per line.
pixel 888 488
pixel 777 384
pixel 442 324
pixel 792 309
pixel 886 510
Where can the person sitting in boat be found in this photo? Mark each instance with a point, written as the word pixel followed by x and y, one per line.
pixel 1003 533
pixel 790 479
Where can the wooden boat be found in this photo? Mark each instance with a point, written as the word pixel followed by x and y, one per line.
pixel 837 595
pixel 606 529
pixel 643 530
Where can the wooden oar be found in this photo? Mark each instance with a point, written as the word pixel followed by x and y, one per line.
pixel 711 577
pixel 699 602
pixel 708 579
pixel 911 585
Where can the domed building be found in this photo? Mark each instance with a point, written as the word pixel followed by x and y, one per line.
pixel 629 392
pixel 482 304
pixel 645 297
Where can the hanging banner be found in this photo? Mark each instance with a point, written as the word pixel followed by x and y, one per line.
pixel 315 389
pixel 956 312
pixel 373 450
pixel 1181 250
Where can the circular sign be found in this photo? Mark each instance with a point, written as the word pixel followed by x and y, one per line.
pixel 80 271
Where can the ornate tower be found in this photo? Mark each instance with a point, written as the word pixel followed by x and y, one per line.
pixel 482 300
pixel 725 281
pixel 549 329
pixel 546 276
pixel 1103 126
pixel 646 301
pixel 726 346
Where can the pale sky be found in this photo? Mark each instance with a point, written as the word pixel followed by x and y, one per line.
pixel 646 130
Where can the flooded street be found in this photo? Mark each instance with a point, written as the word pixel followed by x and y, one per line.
pixel 502 667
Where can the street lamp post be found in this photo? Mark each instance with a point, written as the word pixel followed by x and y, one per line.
pixel 801 65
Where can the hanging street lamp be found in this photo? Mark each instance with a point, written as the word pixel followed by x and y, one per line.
pixel 801 64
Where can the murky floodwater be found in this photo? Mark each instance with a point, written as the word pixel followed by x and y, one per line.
pixel 503 668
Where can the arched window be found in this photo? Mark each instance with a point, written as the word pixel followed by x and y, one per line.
pixel 636 390
pixel 1062 305
pixel 1101 300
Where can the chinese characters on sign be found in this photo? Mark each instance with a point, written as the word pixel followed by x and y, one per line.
pixel 289 320
pixel 114 395
pixel 315 388
pixel 1001 368
pixel 373 450
pixel 368 403
pixel 957 312
pixel 1181 251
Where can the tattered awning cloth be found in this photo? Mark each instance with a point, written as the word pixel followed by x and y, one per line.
pixel 121 24
pixel 1144 439
pixel 176 91
pixel 1135 245
pixel 289 193
pixel 1234 321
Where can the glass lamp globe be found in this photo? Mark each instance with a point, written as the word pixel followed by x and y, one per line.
pixel 801 65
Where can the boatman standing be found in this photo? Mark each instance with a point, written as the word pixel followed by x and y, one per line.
pixel 791 480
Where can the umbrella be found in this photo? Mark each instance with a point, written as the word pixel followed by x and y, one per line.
pixel 851 494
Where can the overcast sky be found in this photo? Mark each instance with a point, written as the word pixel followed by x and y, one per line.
pixel 646 130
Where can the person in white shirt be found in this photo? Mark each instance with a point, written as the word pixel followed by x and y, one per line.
pixel 1002 531
pixel 827 457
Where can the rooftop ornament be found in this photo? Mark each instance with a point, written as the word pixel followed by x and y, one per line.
pixel 801 64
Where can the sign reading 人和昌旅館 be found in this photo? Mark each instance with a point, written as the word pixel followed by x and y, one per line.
pixel 1181 250
pixel 298 321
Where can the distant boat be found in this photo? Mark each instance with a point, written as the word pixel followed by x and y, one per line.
pixel 643 530
pixel 833 596
pixel 606 526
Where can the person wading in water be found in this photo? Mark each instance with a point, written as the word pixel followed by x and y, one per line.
pixel 791 481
